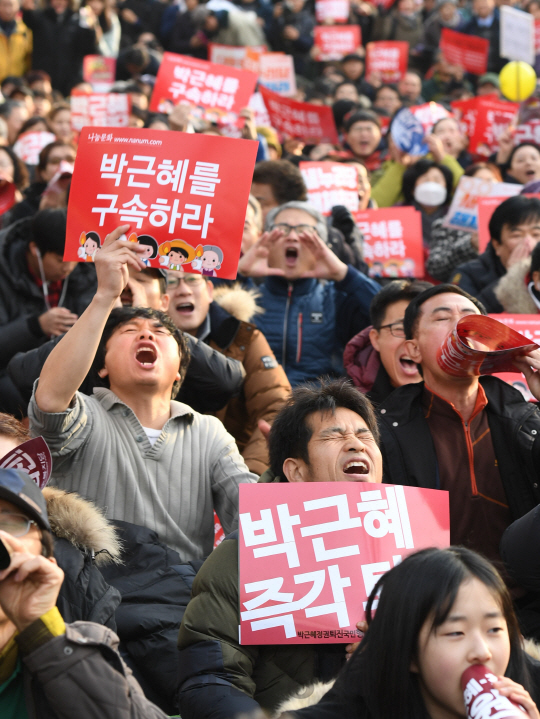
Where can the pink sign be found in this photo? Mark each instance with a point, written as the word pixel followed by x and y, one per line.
pixel 100 110
pixel 336 10
pixel 30 144
pixel 311 123
pixel 311 553
pixel 467 51
pixel 329 184
pixel 32 457
pixel 333 42
pixel 99 71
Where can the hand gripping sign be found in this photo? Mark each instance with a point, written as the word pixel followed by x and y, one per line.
pixel 185 197
pixel 481 345
pixel 311 123
pixel 32 457
pixel 310 553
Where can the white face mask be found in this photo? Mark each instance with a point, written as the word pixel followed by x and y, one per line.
pixel 430 194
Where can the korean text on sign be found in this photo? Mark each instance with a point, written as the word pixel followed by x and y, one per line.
pixel 388 59
pixel 335 41
pixel 100 110
pixel 185 194
pixel 467 51
pixel 392 241
pixel 310 554
pixel 312 123
pixel 201 83
pixel 329 184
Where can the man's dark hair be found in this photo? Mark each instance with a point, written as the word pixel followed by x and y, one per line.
pixel 290 433
pixel 284 178
pixel 362 116
pixel 7 107
pixel 49 231
pixel 413 311
pixel 123 315
pixel 46 151
pixel 394 291
pixel 513 212
pixel 508 164
pixel 412 173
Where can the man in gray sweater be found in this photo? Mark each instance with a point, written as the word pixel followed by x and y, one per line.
pixel 140 456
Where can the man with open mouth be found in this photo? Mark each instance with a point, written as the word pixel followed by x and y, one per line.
pixel 141 456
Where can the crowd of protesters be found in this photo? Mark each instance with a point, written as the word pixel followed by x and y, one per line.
pixel 159 392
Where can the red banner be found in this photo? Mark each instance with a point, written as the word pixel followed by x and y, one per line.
pixel 484 120
pixel 388 59
pixel 99 71
pixel 529 327
pixel 136 177
pixel 220 88
pixel 537 36
pixel 311 123
pixel 336 10
pixel 335 41
pixel 329 184
pixel 486 207
pixel 467 51
pixel 393 244
pixel 111 110
pixel 311 553
pixel 32 457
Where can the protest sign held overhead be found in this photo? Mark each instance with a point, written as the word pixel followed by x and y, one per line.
pixel 463 212
pixel 99 71
pixel 388 59
pixel 336 10
pixel 276 72
pixel 411 124
pixel 528 326
pixel 312 123
pixel 517 34
pixel 311 553
pixel 111 110
pixel 467 51
pixel 30 144
pixel 32 457
pixel 231 55
pixel 220 89
pixel 184 196
pixel 392 241
pixel 329 184
pixel 335 41
pixel 484 120
pixel 486 207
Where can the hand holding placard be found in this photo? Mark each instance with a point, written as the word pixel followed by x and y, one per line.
pixel 113 260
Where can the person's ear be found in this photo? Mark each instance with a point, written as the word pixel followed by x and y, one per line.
pixel 34 249
pixel 164 303
pixel 103 372
pixel 413 350
pixel 497 246
pixel 535 277
pixel 210 290
pixel 294 469
pixel 374 339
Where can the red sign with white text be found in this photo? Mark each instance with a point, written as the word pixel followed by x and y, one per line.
pixel 30 144
pixel 528 326
pixel 484 120
pixel 329 184
pixel 467 51
pixel 100 110
pixel 336 10
pixel 311 123
pixel 99 71
pixel 387 59
pixel 393 245
pixel 537 36
pixel 335 41
pixel 311 553
pixel 219 88
pixel 184 195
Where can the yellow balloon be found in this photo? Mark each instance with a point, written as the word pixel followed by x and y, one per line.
pixel 517 81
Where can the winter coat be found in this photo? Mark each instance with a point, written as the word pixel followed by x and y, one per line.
pixel 304 22
pixel 239 29
pixel 395 26
pixel 27 206
pixel 512 291
pixel 308 322
pixel 495 61
pixel 449 248
pixel 15 51
pixel 363 365
pixel 84 543
pixel 60 44
pixel 155 586
pixel 434 26
pixel 479 278
pixel 265 386
pixel 219 678
pixel 22 301
pixel 178 40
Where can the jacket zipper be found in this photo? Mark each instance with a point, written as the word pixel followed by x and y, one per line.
pixel 471 457
pixel 299 338
pixel 285 325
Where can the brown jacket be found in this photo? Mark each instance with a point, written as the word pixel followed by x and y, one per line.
pixel 265 387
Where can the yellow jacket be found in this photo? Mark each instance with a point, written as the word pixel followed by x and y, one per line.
pixel 15 51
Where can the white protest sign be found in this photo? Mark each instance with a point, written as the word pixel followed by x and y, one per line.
pixel 517 35
pixel 463 212
pixel 277 73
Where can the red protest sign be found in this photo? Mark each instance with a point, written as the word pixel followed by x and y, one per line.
pixel 529 327
pixel 99 71
pixel 111 110
pixel 467 51
pixel 486 207
pixel 32 457
pixel 7 195
pixel 311 123
pixel 329 184
pixel 336 10
pixel 484 120
pixel 335 41
pixel 219 88
pixel 537 36
pixel 186 194
pixel 311 553
pixel 393 245
pixel 388 59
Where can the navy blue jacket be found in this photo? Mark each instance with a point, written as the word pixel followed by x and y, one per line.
pixel 308 322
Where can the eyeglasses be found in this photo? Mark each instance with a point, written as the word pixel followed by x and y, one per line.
pixel 396 329
pixel 287 229
pixel 190 280
pixel 15 524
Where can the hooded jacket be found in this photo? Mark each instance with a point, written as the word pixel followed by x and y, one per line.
pixel 15 51
pixel 363 365
pixel 512 290
pixel 265 386
pixel 22 301
pixel 479 278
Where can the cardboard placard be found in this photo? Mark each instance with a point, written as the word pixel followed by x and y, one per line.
pixel 220 89
pixel 388 59
pixel 185 193
pixel 335 41
pixel 393 245
pixel 311 123
pixel 311 553
pixel 484 120
pixel 467 51
pixel 482 345
pixel 231 55
pixel 463 212
pixel 329 184
pixel 336 10
pixel 32 457
pixel 412 124
pixel 517 34
pixel 30 144
pixel 276 72
pixel 99 71
pixel 99 110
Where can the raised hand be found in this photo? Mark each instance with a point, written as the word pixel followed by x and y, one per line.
pixel 529 364
pixel 255 262
pixel 327 265
pixel 112 262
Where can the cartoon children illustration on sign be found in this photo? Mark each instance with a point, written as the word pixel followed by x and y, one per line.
pixel 175 253
pixel 210 261
pixel 150 248
pixel 89 244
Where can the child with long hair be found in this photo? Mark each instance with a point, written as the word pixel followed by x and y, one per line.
pixel 439 612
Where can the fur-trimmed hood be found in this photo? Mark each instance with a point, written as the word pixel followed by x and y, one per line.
pixel 238 302
pixel 512 291
pixel 84 525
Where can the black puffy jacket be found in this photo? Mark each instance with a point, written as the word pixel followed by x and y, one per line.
pixel 480 276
